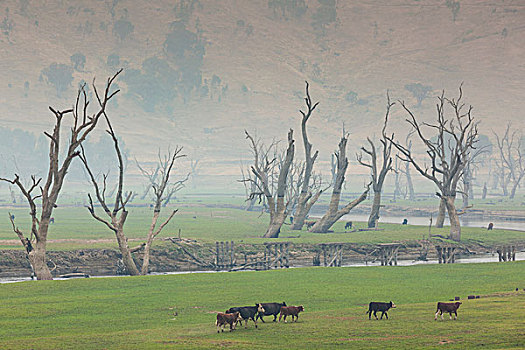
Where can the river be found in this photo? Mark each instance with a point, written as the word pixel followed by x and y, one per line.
pixel 424 221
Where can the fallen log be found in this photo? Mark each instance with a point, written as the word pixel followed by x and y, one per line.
pixel 74 275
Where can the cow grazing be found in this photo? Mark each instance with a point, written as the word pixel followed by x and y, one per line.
pixel 270 309
pixel 290 311
pixel 447 307
pixel 405 222
pixel 348 225
pixel 225 318
pixel 247 313
pixel 374 307
pixel 490 227
pixel 309 224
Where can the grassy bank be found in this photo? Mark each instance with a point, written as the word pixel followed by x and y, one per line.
pixel 75 227
pixel 138 312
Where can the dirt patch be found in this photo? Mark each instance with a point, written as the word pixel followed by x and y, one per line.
pixel 392 337
pixel 229 343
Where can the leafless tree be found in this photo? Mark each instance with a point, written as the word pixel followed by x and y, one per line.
pixel 397 179
pixel 273 179
pixel 117 215
pixel 195 166
pixel 468 175
pixel 334 213
pixel 378 172
pixel 82 125
pixel 307 197
pixel 448 152
pixel 149 184
pixel 250 183
pixel 511 158
pixel 406 171
pixel 163 189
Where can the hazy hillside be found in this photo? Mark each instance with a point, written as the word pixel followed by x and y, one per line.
pixel 197 73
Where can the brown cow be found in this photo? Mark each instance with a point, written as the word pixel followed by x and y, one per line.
pixel 291 310
pixel 224 319
pixel 447 307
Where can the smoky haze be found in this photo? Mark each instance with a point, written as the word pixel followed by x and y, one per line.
pixel 198 73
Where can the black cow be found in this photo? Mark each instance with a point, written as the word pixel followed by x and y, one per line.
pixel 405 222
pixel 491 226
pixel 270 309
pixel 247 313
pixel 447 307
pixel 309 224
pixel 348 225
pixel 377 306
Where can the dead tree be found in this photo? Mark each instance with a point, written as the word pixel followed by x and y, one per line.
pixel 273 179
pixel 250 183
pixel 467 177
pixel 378 174
pixel 118 214
pixel 307 197
pixel 195 167
pixel 162 190
pixel 448 152
pixel 148 186
pixel 511 159
pixel 82 125
pixel 334 213
pixel 397 179
pixel 406 171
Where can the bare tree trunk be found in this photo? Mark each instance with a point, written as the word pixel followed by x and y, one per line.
pixel 440 220
pixel 276 222
pixel 410 185
pixel 122 241
pixel 513 190
pixel 38 260
pixel 397 182
pixel 163 190
pixel 484 194
pixel 374 214
pixel 333 213
pixel 455 227
pixel 149 242
pixel 302 210
pixel 265 170
pixel 306 198
pixel 465 194
pixel 378 173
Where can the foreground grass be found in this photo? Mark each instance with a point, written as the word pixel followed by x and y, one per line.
pixel 74 226
pixel 138 312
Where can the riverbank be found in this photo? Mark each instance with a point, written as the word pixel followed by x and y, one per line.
pixel 172 255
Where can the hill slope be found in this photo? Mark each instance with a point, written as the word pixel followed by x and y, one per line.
pixel 197 73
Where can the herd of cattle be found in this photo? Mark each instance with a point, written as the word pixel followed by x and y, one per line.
pixel 236 315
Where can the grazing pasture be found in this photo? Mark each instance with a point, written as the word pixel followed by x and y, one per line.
pixel 179 311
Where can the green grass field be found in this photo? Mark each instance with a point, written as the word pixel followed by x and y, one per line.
pixel 74 227
pixel 138 312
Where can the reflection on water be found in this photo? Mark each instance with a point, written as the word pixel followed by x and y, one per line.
pixel 424 221
pixel 480 258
